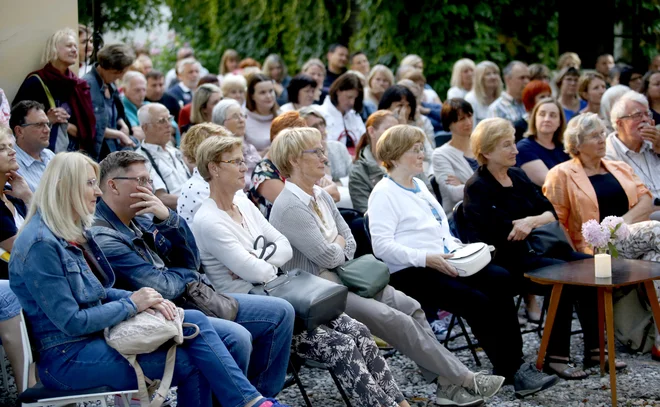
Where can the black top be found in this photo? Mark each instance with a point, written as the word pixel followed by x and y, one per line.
pixel 330 77
pixel 612 199
pixel 491 208
pixel 530 150
pixel 8 226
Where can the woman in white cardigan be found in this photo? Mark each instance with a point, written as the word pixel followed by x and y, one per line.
pixel 226 227
pixel 453 162
pixel 410 233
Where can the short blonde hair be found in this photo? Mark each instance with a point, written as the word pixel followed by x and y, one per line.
pixel 578 128
pixel 313 62
pixel 568 59
pixel 487 135
pixel 211 150
pixel 59 198
pixel 196 135
pixel 231 82
pixel 457 71
pixel 290 144
pixel 50 51
pixel 396 141
pixel 200 99
pixel 411 60
pixel 478 83
pixel 380 69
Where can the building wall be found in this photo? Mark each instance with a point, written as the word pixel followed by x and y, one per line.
pixel 25 25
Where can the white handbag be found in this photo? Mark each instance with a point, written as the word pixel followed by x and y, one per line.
pixel 470 259
pixel 144 333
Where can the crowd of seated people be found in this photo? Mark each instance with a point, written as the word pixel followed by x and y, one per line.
pixel 123 184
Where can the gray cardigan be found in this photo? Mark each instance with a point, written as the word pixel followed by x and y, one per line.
pixel 311 252
pixel 448 160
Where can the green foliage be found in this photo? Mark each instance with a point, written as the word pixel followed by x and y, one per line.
pixel 644 17
pixel 117 15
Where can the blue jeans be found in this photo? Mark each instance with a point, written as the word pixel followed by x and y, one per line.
pixel 259 339
pixel 203 368
pixel 9 305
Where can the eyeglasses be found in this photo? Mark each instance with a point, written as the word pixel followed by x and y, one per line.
pixel 320 152
pixel 237 163
pixel 602 135
pixel 92 182
pixel 638 115
pixel 237 117
pixel 41 125
pixel 164 120
pixel 416 150
pixel 142 181
pixel 7 148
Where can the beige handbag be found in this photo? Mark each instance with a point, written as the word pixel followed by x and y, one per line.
pixel 144 333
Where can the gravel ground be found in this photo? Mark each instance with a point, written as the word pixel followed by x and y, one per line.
pixel 638 385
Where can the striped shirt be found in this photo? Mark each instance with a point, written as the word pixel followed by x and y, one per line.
pixel 32 169
pixel 507 108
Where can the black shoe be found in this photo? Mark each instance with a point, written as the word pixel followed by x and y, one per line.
pixel 529 380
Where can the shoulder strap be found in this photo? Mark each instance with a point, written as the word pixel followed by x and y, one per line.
pixel 153 164
pixel 51 101
pixel 163 385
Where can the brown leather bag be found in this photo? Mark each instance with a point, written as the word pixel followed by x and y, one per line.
pixel 203 297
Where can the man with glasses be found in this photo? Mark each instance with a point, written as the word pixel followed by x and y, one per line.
pixel 32 132
pixel 636 141
pixel 168 169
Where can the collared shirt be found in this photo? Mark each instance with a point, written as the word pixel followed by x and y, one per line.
pixel 169 162
pixel 646 163
pixel 324 217
pixel 32 169
pixel 507 108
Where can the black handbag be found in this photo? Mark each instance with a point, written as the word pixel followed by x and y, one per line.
pixel 548 240
pixel 316 301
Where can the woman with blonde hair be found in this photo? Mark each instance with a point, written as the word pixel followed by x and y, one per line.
pixel 234 87
pixel 66 96
pixel 204 100
pixel 316 69
pixel 226 227
pixel 275 69
pixel 64 284
pixel 592 87
pixel 229 62
pixel 416 62
pixel 380 78
pixel 486 89
pixel 462 76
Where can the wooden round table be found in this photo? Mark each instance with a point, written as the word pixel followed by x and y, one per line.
pixel 582 273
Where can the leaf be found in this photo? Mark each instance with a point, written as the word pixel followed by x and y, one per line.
pixel 613 251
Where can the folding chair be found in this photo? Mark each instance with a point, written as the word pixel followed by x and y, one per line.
pixel 38 395
pixel 3 367
pixel 296 362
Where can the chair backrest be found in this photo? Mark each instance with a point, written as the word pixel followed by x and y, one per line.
pixel 27 351
pixel 436 188
pixel 366 227
pixel 459 221
pixel 441 137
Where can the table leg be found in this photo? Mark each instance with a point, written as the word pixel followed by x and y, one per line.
pixel 601 330
pixel 653 299
pixel 549 322
pixel 609 322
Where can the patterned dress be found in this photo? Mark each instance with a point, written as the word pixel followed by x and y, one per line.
pixel 264 171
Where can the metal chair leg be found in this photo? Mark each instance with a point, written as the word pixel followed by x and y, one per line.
pixel 469 342
pixel 340 388
pixel 450 328
pixel 294 371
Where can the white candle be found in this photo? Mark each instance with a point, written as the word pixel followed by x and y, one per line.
pixel 603 265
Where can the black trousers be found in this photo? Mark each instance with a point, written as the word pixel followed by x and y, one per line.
pixel 484 300
pixel 585 300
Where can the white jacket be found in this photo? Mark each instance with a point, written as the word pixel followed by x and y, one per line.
pixel 338 127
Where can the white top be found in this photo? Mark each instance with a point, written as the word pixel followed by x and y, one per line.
pixel 257 130
pixel 287 107
pixel 449 160
pixel 193 194
pixel 169 161
pixel 456 93
pixel 403 227
pixel 646 163
pixel 480 110
pixel 326 221
pixel 339 127
pixel 225 245
pixel 430 96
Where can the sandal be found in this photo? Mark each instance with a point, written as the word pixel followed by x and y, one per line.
pixel 566 374
pixel 590 362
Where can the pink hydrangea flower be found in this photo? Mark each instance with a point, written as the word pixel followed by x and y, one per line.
pixel 595 234
pixel 610 223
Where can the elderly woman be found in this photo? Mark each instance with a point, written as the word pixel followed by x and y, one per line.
pixel 68 301
pixel 195 190
pixel 591 88
pixel 267 182
pixel 502 206
pixel 228 113
pixel 462 76
pixel 226 228
pixel 380 78
pixel 302 91
pixel 542 148
pixel 569 98
pixel 204 100
pixel 316 69
pixel 322 240
pixel 66 97
pixel 533 92
pixel 234 87
pixel 275 69
pixel 261 110
pixel 367 170
pixel 487 88
pixel 342 108
pixel 453 162
pixel 591 187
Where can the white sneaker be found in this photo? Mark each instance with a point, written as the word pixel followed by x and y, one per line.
pixel 453 395
pixel 487 385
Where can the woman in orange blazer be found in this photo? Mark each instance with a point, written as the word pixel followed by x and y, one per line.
pixel 589 187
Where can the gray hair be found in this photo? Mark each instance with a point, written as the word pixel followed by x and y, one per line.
pixel 312 110
pixel 129 76
pixel 186 61
pixel 219 115
pixel 578 128
pixel 232 81
pixel 610 96
pixel 507 69
pixel 619 107
pixel 144 113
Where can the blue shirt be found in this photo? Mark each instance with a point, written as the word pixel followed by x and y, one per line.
pixel 571 114
pixel 32 169
pixel 529 150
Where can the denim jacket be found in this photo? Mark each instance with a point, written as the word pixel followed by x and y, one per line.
pixel 62 299
pixel 131 254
